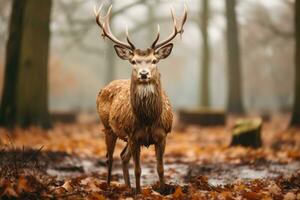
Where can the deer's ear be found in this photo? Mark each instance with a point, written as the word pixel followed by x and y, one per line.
pixel 123 53
pixel 164 51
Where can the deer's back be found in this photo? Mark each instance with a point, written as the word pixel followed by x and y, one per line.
pixel 115 109
pixel 108 96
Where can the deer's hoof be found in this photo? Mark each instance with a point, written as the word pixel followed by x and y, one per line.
pixel 162 187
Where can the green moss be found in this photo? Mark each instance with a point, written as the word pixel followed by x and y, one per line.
pixel 246 125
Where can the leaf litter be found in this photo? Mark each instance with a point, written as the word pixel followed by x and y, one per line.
pixel 68 162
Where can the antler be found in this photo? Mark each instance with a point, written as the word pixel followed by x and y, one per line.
pixel 103 22
pixel 178 28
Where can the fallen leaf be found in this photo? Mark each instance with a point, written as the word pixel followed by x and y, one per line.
pixel 24 184
pixel 252 196
pixel 96 196
pixel 147 191
pixel 10 192
pixel 68 186
pixel 274 189
pixel 289 196
pixel 178 194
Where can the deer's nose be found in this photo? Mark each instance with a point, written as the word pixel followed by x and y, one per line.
pixel 144 74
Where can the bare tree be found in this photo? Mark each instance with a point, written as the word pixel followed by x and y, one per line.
pixel 83 25
pixel 110 59
pixel 295 121
pixel 263 18
pixel 205 65
pixel 271 53
pixel 25 93
pixel 235 100
pixel 4 14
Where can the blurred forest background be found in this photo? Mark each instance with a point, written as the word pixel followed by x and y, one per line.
pixel 236 55
pixel 236 69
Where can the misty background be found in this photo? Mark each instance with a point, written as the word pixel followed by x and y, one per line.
pixel 79 57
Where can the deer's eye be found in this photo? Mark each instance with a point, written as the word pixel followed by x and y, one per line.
pixel 154 61
pixel 133 62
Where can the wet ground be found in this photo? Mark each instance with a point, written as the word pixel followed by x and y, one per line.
pixel 219 174
pixel 69 161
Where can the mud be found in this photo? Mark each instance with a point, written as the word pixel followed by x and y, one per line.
pixel 179 172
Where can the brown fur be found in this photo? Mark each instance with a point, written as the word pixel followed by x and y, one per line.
pixel 137 110
pixel 137 115
pixel 124 113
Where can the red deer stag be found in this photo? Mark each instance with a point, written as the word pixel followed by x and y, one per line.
pixel 138 110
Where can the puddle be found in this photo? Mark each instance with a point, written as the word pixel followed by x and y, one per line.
pixel 222 174
pixel 179 173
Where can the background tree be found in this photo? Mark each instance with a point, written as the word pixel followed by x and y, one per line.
pixel 205 57
pixel 235 102
pixel 110 56
pixel 110 62
pixel 8 103
pixel 151 16
pixel 271 53
pixel 25 93
pixel 77 28
pixel 295 121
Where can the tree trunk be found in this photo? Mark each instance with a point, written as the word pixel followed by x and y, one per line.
pixel 110 63
pixel 295 121
pixel 25 96
pixel 151 15
pixel 205 65
pixel 247 133
pixel 12 60
pixel 235 103
pixel 202 116
pixel 111 56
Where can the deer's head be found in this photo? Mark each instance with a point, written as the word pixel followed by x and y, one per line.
pixel 143 62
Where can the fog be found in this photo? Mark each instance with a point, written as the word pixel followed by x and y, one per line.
pixel 78 60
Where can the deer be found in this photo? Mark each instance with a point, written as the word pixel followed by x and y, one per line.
pixel 137 110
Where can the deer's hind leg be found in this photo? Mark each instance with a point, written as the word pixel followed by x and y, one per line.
pixel 110 141
pixel 125 156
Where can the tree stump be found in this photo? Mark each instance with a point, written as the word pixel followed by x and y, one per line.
pixel 205 117
pixel 247 133
pixel 63 117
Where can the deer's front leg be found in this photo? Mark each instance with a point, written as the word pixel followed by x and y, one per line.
pixel 135 152
pixel 160 145
pixel 125 156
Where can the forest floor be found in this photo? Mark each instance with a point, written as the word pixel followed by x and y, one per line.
pixel 68 162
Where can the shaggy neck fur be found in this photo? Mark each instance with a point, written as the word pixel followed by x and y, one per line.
pixel 146 101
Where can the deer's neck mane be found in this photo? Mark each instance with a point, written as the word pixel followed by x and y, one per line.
pixel 146 101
